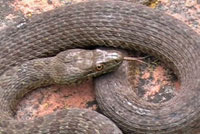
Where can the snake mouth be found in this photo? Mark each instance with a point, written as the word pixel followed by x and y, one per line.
pixel 112 67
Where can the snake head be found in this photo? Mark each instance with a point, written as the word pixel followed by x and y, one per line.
pixel 105 61
pixel 74 65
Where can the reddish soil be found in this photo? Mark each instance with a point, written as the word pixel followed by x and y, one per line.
pixel 153 82
pixel 46 100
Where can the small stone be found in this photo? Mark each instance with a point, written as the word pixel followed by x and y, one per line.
pixel 49 2
pixel 190 3
pixel 165 1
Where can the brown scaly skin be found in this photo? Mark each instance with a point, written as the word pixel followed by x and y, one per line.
pixel 122 25
pixel 71 121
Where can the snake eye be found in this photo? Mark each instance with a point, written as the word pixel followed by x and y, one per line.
pixel 99 67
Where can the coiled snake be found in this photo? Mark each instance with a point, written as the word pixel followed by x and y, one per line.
pixel 115 24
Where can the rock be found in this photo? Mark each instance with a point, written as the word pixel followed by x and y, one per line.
pixel 190 3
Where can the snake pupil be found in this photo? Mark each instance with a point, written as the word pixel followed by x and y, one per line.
pixel 99 67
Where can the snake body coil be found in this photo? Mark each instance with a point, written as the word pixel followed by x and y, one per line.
pixel 121 25
pixel 68 67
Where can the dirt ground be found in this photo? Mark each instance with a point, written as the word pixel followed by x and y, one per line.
pixel 153 82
